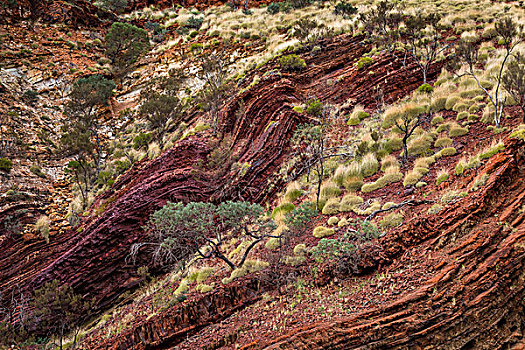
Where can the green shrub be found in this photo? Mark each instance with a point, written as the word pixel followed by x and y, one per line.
pixel 329 190
pixel 457 131
pixel 487 153
pixel 345 9
pixel 364 62
pixel 438 104
pixel 331 206
pixel 462 115
pixel 436 208
pixel 441 178
pixel 333 220
pixel 142 140
pixel 196 47
pixel 293 193
pixel 298 109
pixel 321 232
pixel 6 164
pixel 314 107
pixel 350 202
pixel 473 109
pixel 412 178
pixel 452 196
pixel 353 183
pixel 300 217
pixel 194 22
pixel 292 63
pixel 391 220
pixel 443 142
pixel 460 167
pixel 273 243
pixel 273 8
pixel 518 134
pixel 282 209
pixel 203 288
pixel 420 145
pixel 425 88
pixel 353 120
pixel 437 120
pixel 395 143
pixel 369 165
pixel 448 151
pixel 35 169
pixel 452 101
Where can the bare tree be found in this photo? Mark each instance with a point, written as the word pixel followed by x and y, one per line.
pixel 467 52
pixel 214 73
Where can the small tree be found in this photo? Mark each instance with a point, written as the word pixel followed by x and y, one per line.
pixel 158 109
pixel 124 45
pixel 513 80
pixel 117 6
pixel 406 120
pixel 309 31
pixel 310 145
pixel 59 311
pixel 381 23
pixel 178 231
pixel 160 103
pixel 214 73
pixel 422 40
pixel 87 94
pixel 509 33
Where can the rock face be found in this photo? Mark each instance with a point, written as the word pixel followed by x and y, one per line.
pixel 92 257
pixel 474 297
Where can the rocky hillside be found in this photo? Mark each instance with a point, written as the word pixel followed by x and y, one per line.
pixel 409 157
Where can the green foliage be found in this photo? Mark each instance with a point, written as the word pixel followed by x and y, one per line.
pixel 125 43
pixel 441 178
pixel 332 249
pixel 35 169
pixel 314 107
pixel 350 202
pixel 194 22
pixel 331 206
pixel 292 63
pixel 273 243
pixel 425 88
pixel 6 164
pixel 457 131
pixel 273 8
pixel 282 209
pixel 492 151
pixel 333 220
pixel 299 218
pixel 117 6
pixel 58 310
pixel 345 9
pixel 179 230
pixel 142 140
pixel 448 151
pixel 30 96
pixel 443 142
pixel 391 220
pixel 364 62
